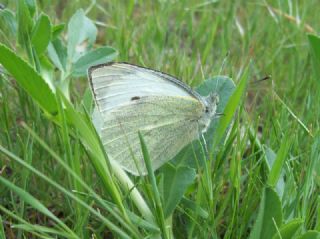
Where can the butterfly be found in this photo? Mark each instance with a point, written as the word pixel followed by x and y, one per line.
pixel 167 112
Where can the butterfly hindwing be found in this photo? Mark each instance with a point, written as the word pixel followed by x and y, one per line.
pixel 166 123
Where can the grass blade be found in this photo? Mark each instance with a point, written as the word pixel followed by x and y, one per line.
pixel 36 204
pixel 106 221
pixel 156 194
pixel 2 235
pixel 279 161
pixel 230 109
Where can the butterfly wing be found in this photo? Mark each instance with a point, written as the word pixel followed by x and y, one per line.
pixel 132 99
pixel 117 83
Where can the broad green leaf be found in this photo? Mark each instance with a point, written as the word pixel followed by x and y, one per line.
pixel 81 35
pixel 41 34
pixel 288 230
pixel 314 42
pixel 94 57
pixel 279 161
pixel 58 54
pixel 310 235
pixel 25 23
pixel 269 216
pixel 28 79
pixel 175 182
pixel 8 23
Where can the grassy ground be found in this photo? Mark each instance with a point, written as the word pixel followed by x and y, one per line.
pixel 263 181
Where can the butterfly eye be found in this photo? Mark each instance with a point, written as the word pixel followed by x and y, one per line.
pixel 207 110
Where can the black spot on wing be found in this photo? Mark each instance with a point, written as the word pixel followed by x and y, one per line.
pixel 135 98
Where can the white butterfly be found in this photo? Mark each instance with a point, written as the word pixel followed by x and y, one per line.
pixel 167 112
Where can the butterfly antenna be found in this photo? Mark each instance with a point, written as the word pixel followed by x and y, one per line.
pixel 221 69
pixel 224 62
pixel 268 77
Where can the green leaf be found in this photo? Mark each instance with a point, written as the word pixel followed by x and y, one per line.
pixel 32 6
pixel 25 23
pixel 314 42
pixel 41 34
pixel 28 79
pixel 279 161
pixel 81 31
pixel 57 30
pixel 288 230
pixel 310 235
pixel 8 24
pixel 94 57
pixel 175 182
pixel 58 54
pixel 269 216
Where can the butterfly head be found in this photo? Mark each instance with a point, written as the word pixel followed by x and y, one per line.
pixel 212 100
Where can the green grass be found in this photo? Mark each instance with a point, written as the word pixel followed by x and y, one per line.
pixel 262 178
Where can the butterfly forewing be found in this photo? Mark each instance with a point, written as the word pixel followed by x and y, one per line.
pixel 132 99
pixel 118 83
